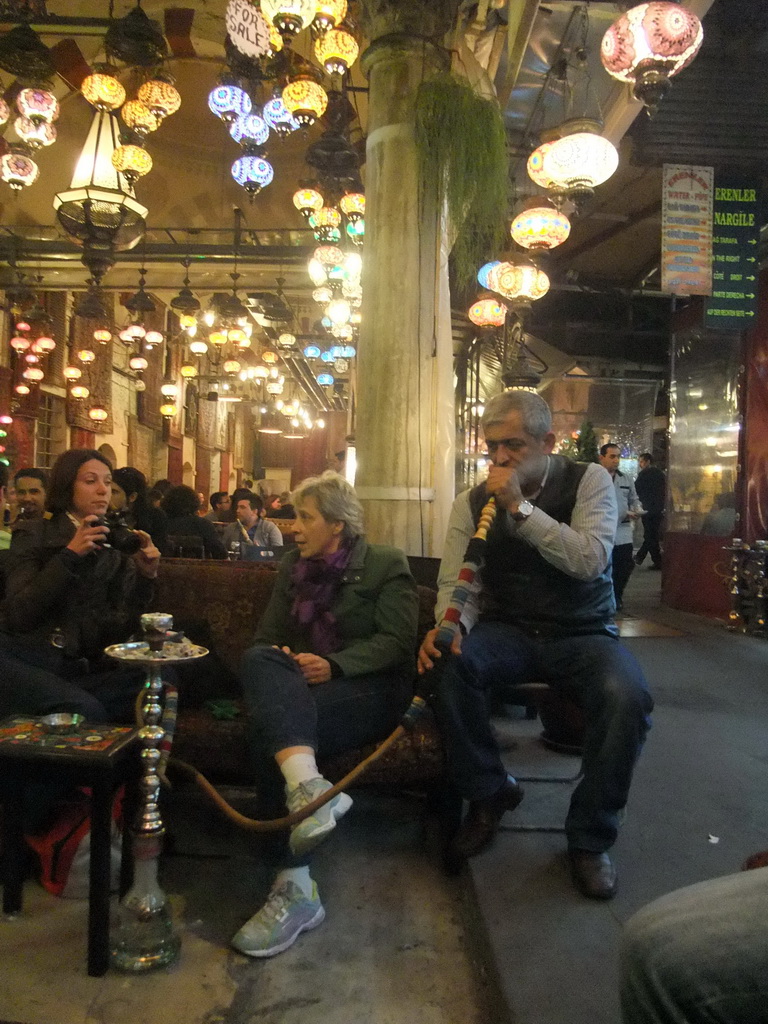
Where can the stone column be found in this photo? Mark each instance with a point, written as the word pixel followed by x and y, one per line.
pixel 405 409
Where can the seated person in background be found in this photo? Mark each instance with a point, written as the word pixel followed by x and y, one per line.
pixel 5 536
pixel 286 510
pixel 541 609
pixel 202 504
pixel 250 528
pixel 629 508
pixel 181 505
pixel 271 505
pixel 332 669
pixel 31 487
pixel 699 955
pixel 720 521
pixel 129 496
pixel 220 503
pixel 69 595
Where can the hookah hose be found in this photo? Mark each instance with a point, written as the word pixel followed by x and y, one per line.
pixel 449 625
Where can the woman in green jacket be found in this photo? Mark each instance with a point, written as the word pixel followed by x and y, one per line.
pixel 332 669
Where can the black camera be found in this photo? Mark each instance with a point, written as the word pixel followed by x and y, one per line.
pixel 120 537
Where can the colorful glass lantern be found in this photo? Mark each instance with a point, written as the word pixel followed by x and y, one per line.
pixel 22 389
pixel 44 344
pixel 138 363
pixel 98 414
pixel 218 338
pixel 35 135
pixel 329 14
pixel 582 159
pixel 18 170
pixel 79 391
pixel 328 255
pixel 650 44
pixel 269 357
pixel 356 231
pixel 287 340
pixel 520 283
pixel 161 96
pixel 102 335
pixel 188 371
pixel 279 118
pixel 237 335
pixel 323 295
pixel 288 16
pixel 325 224
pixel 252 172
pixel 338 311
pixel 20 344
pixel 275 39
pixel 540 227
pixel 136 331
pixel 535 166
pixel 231 366
pixel 169 390
pixel 31 356
pixel 198 348
pixel 326 379
pixel 327 357
pixel 152 338
pixel 133 162
pixel 102 90
pixel 229 102
pixel 487 313
pixel 307 201
pixel 168 410
pixel 312 352
pixel 353 205
pixel 86 355
pixel 317 273
pixel 33 373
pixel 337 50
pixel 38 105
pixel 22 325
pixel 187 320
pixel 306 99
pixel 72 372
pixel 483 274
pixel 260 372
pixel 250 128
pixel 5 112
pixel 275 387
pixel 139 118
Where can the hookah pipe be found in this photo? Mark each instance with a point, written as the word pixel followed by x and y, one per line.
pixel 449 625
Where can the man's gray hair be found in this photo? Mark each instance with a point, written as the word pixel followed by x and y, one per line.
pixel 534 411
pixel 335 499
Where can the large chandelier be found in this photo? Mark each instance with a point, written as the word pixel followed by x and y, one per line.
pixel 582 159
pixel 99 210
pixel 649 45
pixel 540 226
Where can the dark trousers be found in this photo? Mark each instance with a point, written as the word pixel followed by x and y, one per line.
pixel 597 672
pixel 38 680
pixel 623 565
pixel 651 536
pixel 285 711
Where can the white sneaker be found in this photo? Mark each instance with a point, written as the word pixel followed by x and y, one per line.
pixel 308 833
pixel 286 914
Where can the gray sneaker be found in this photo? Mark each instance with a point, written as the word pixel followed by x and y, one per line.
pixel 308 833
pixel 286 914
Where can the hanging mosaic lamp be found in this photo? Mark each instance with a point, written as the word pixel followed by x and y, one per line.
pixel 72 372
pixel 352 205
pixel 484 273
pixel 138 363
pixel 487 313
pixel 19 344
pixel 35 134
pixel 17 169
pixel 102 335
pixel 325 224
pixel 252 172
pixel 79 392
pixel 5 112
pixel 139 118
pixel 650 44
pixel 337 50
pixel 279 118
pixel 305 98
pixel 22 389
pixel 102 89
pixel 582 159
pixel 38 105
pixel 133 162
pixel 33 373
pixel 160 95
pixel 198 347
pixel 44 345
pixel 356 231
pixel 168 410
pixel 535 166
pixel 250 128
pixel 520 283
pixel 540 226
pixel 188 371
pixel 329 14
pixel 98 414
pixel 289 16
pixel 307 201
pixel 229 102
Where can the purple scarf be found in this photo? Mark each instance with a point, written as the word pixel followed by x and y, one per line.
pixel 315 582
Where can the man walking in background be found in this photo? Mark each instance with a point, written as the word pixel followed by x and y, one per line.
pixel 651 487
pixel 629 509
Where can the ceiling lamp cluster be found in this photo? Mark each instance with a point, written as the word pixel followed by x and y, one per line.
pixel 325 219
pixel 650 44
pixel 37 109
pixel 31 342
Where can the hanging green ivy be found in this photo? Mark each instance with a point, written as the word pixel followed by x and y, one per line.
pixel 463 156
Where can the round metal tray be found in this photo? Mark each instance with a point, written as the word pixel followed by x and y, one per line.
pixel 138 653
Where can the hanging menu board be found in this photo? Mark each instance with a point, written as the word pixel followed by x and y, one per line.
pixel 686 230
pixel 736 234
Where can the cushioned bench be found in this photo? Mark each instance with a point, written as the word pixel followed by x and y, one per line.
pixel 219 604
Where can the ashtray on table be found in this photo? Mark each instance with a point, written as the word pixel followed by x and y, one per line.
pixel 60 723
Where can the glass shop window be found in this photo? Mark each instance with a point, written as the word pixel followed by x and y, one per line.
pixel 50 433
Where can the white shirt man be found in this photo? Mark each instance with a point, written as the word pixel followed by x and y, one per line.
pixel 630 508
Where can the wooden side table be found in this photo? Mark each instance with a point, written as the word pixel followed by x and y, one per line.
pixel 101 757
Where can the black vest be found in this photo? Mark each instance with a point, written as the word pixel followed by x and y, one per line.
pixel 522 588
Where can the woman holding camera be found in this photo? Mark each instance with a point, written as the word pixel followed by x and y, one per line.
pixel 73 587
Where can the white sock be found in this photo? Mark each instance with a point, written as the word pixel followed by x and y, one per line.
pixel 299 768
pixel 299 876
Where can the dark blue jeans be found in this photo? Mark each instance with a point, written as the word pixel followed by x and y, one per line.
pixel 596 672
pixel 38 680
pixel 285 711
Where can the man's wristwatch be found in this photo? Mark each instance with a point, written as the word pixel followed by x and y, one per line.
pixel 524 509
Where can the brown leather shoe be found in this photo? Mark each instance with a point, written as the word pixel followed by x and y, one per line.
pixel 593 874
pixel 482 820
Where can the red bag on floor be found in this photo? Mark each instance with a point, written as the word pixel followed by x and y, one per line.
pixel 64 850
